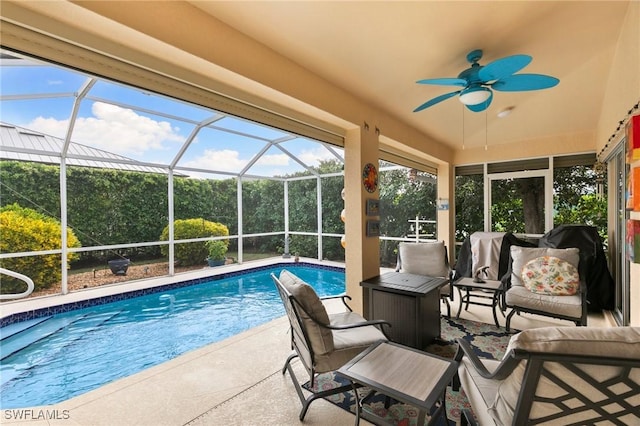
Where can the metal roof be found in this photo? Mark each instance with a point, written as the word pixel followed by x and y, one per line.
pixel 17 143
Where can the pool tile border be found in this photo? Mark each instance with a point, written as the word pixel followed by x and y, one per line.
pixel 102 300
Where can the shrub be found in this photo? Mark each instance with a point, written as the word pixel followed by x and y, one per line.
pixel 25 230
pixel 183 229
pixel 216 249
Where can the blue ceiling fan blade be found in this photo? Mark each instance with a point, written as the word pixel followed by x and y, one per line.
pixel 444 81
pixel 481 106
pixel 436 100
pixel 501 68
pixel 524 82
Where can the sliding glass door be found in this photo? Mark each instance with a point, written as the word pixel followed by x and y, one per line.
pixel 618 263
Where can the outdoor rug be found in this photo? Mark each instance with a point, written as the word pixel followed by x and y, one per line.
pixel 487 340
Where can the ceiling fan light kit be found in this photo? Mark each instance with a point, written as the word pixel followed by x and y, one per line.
pixel 478 81
pixel 474 95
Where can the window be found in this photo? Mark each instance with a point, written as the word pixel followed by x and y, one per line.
pixel 407 208
pixel 523 197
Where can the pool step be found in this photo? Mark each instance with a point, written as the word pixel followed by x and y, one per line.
pixel 77 327
pixel 30 335
pixel 18 327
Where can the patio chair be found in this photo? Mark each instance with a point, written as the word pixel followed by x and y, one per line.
pixel 545 281
pixel 555 375
pixel 323 342
pixel 429 259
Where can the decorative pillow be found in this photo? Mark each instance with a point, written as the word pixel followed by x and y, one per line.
pixel 520 256
pixel 551 275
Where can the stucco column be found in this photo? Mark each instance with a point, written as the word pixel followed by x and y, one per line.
pixel 362 253
pixel 445 216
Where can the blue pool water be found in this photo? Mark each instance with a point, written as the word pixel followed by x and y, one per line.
pixel 67 354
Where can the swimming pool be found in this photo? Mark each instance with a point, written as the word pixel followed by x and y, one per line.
pixel 51 358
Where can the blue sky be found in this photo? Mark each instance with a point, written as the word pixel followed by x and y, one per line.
pixel 121 120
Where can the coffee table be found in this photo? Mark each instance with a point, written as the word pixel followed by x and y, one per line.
pixel 492 290
pixel 403 373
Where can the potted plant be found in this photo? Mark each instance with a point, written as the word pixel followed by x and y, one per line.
pixel 217 250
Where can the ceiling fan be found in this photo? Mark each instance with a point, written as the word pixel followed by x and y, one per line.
pixel 478 82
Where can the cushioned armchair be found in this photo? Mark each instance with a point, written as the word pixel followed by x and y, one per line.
pixel 556 376
pixel 323 342
pixel 545 281
pixel 429 259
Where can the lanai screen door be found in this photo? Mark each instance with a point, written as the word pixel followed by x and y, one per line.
pixel 520 202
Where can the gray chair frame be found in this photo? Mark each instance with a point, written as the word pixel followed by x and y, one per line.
pixel 573 401
pixel 301 344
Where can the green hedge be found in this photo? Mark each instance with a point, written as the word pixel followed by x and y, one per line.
pixel 107 206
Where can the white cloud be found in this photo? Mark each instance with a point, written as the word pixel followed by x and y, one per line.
pixel 225 160
pixel 312 157
pixel 274 160
pixel 114 129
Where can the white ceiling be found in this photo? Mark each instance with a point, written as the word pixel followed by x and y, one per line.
pixel 379 49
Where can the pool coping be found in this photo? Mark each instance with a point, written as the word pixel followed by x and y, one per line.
pixel 27 309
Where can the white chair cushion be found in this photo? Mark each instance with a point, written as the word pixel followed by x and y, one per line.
pixel 593 341
pixel 424 259
pixel 563 305
pixel 623 342
pixel 349 342
pixel 321 338
pixel 480 392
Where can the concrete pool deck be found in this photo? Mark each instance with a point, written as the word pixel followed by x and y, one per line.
pixel 237 381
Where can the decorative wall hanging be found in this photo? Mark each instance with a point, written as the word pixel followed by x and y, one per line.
pixel 370 177
pixel 373 228
pixel 373 207
pixel 443 204
pixel 633 240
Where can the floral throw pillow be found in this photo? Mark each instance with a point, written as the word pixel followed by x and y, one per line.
pixel 551 275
